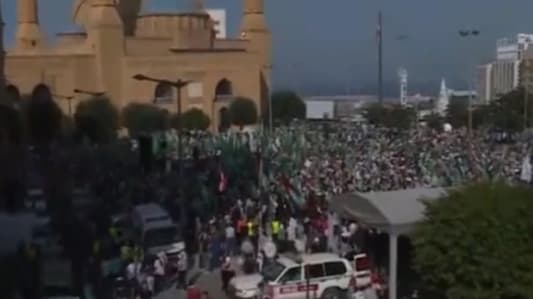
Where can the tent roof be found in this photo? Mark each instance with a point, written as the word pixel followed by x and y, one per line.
pixel 392 211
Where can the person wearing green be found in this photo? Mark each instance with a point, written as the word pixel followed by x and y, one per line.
pixel 276 225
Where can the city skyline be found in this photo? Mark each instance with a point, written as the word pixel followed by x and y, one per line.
pixel 311 55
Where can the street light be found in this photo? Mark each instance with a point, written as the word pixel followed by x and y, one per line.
pixel 69 101
pixel 90 93
pixel 178 84
pixel 469 34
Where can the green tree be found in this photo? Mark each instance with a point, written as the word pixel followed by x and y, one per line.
pixel 43 119
pixel 286 106
pixel 11 128
pixel 482 116
pixel 395 116
pixel 476 242
pixel 457 112
pixel 243 112
pixel 399 117
pixel 508 110
pixel 192 119
pixel 143 118
pixel 375 114
pixel 435 121
pixel 97 119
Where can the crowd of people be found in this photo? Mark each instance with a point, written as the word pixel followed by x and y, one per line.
pixel 275 186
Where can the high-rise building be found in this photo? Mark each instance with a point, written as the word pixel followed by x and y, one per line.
pixel 503 74
pixel 219 18
pixel 484 83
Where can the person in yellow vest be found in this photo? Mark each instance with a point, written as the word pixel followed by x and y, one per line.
pixel 114 233
pixel 252 234
pixel 126 252
pixel 97 248
pixel 276 225
pixel 138 253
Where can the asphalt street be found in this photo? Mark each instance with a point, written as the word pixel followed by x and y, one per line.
pixel 208 281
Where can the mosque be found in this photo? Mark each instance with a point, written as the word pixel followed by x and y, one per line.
pixel 119 41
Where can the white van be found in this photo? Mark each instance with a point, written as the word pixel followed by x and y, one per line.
pixel 320 275
pixel 156 231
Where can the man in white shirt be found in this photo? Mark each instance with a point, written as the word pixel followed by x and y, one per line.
pixel 230 239
pixel 133 269
pixel 182 270
pixel 159 270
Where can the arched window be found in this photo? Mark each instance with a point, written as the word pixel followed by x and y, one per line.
pixel 163 93
pixel 224 88
pixel 41 92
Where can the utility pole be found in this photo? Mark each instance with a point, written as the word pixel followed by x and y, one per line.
pixel 526 76
pixel 469 34
pixel 380 58
pixel 179 85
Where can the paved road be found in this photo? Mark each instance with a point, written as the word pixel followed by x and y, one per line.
pixel 208 281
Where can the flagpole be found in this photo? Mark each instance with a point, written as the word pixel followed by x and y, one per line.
pixel 380 59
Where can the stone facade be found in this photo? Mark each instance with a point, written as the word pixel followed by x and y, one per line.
pixel 118 42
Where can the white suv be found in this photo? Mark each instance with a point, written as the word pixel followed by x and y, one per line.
pixel 310 276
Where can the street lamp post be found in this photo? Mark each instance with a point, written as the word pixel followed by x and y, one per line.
pixel 178 84
pixel 89 93
pixel 69 102
pixel 525 71
pixel 469 34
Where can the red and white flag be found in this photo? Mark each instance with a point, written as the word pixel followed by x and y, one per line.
pixel 223 180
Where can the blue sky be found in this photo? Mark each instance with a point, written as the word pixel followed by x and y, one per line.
pixel 332 43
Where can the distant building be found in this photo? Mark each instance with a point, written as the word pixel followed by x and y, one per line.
pixel 503 74
pixel 512 49
pixel 321 109
pixel 526 70
pixel 219 18
pixel 339 106
pixel 484 83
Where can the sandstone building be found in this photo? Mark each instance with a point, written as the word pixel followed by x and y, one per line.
pixel 118 41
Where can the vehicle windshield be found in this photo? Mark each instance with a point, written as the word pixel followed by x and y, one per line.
pixel 160 236
pixel 271 271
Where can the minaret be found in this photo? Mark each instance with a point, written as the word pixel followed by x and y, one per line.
pixel 255 30
pixel 28 34
pixel 443 100
pixel 402 73
pixel 105 35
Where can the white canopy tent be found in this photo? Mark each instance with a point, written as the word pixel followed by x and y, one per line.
pixel 395 212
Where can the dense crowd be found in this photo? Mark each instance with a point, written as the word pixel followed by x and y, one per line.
pixel 334 158
pixel 238 185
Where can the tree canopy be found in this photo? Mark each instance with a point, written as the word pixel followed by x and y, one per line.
pixel 477 242
pixel 392 116
pixel 286 106
pixel 11 128
pixel 507 112
pixel 43 118
pixel 143 118
pixel 192 119
pixel 97 119
pixel 243 112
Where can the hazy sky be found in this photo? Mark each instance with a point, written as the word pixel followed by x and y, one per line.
pixel 333 42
